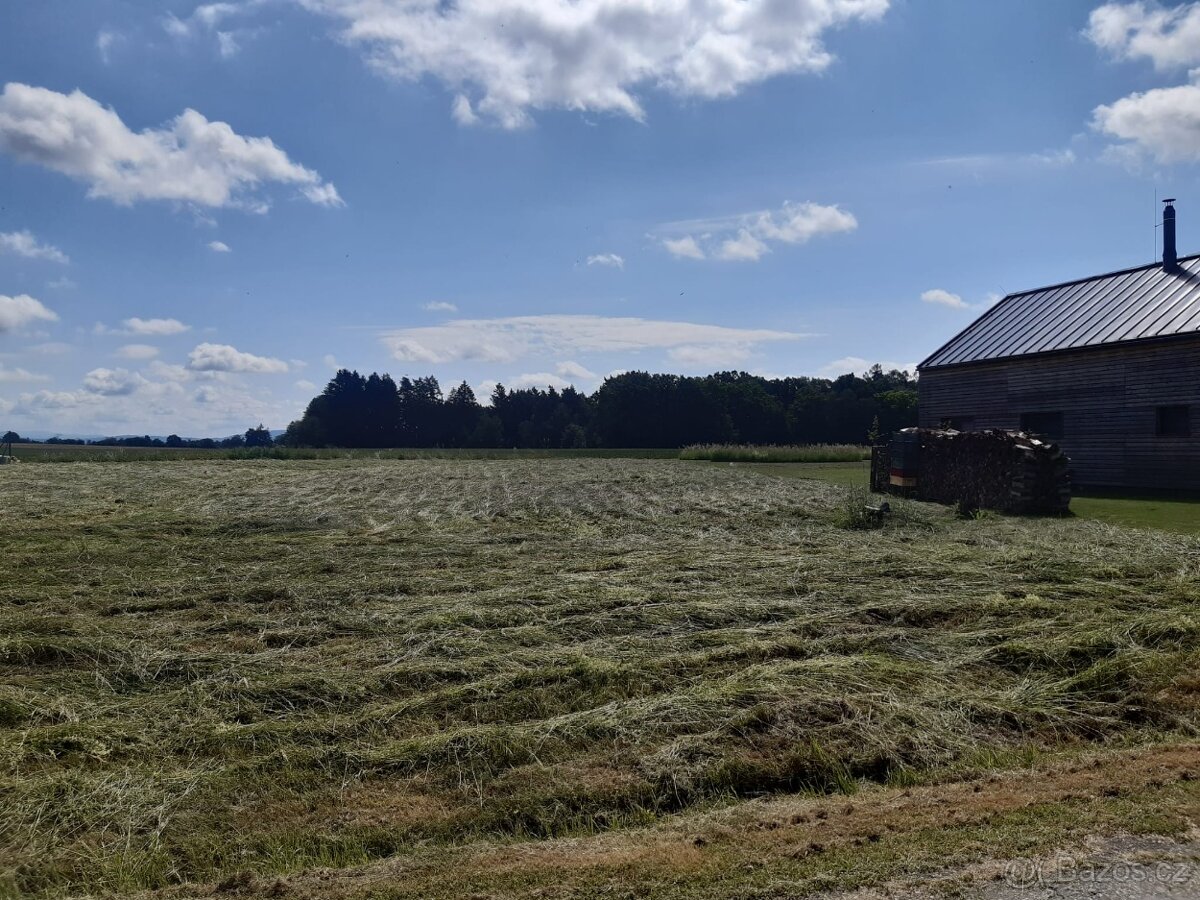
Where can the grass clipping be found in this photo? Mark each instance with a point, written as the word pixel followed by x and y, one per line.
pixel 217 667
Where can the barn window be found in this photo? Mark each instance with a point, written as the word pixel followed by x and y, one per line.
pixel 1173 421
pixel 1045 424
pixel 959 423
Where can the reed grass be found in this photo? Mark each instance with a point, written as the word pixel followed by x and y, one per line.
pixel 803 453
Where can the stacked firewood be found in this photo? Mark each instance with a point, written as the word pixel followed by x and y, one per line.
pixel 1009 471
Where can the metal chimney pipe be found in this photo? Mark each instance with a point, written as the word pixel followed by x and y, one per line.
pixel 1170 260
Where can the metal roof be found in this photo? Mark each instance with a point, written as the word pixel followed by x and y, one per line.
pixel 1130 305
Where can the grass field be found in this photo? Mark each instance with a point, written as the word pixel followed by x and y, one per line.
pixel 568 677
pixel 60 453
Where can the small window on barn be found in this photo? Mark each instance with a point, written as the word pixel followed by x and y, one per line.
pixel 1173 421
pixel 959 423
pixel 1043 424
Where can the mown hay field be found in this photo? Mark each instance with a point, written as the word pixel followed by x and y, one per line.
pixel 223 671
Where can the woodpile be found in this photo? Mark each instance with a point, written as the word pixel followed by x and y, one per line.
pixel 1009 471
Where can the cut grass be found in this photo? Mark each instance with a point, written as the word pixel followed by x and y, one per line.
pixel 214 668
pixel 67 453
pixel 756 453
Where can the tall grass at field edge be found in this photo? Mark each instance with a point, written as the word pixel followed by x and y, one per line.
pixel 776 453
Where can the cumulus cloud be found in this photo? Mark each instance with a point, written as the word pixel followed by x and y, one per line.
pixel 23 243
pixel 857 365
pixel 571 369
pixel 683 248
pixel 462 111
pixel 15 375
pixel 112 382
pixel 50 400
pixel 21 310
pixel 1168 37
pixel 440 306
pixel 206 16
pixel 190 159
pixel 940 297
pixel 506 340
pixel 505 58
pixel 1163 123
pixel 224 358
pixel 137 351
pixel 155 327
pixel 218 246
pixel 611 260
pixel 743 247
pixel 540 380
pixel 748 237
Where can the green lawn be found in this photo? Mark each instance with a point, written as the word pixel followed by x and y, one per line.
pixel 1180 516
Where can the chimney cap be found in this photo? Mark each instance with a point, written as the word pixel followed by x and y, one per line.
pixel 1169 200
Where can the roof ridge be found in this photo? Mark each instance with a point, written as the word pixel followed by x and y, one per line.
pixel 1050 287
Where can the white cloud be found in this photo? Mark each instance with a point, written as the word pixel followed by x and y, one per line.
pixel 571 369
pixel 112 382
pixel 330 362
pixel 224 358
pixel 1052 158
pixel 940 297
pixel 856 365
pixel 747 237
pixel 169 371
pixel 305 385
pixel 744 247
pixel 191 159
pixel 1163 123
pixel 218 246
pixel 227 43
pixel 21 310
pixel 505 58
pixel 683 248
pixel 50 400
pixel 440 306
pixel 540 380
pixel 11 376
pixel 462 110
pixel 105 40
pixel 137 351
pixel 1168 37
pixel 23 243
pixel 156 327
pixel 505 340
pixel 114 401
pixel 611 260
pixel 710 356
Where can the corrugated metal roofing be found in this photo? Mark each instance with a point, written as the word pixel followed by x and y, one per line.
pixel 1131 305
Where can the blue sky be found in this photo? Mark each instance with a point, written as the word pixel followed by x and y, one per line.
pixel 206 208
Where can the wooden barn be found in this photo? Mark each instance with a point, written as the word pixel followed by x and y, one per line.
pixel 1108 366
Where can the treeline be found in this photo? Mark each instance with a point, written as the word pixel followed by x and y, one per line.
pixel 254 437
pixel 635 410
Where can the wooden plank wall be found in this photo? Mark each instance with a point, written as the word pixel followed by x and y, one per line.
pixel 1108 398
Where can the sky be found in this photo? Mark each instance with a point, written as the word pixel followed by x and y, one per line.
pixel 208 208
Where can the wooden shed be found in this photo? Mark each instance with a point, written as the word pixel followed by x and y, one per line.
pixel 1108 366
